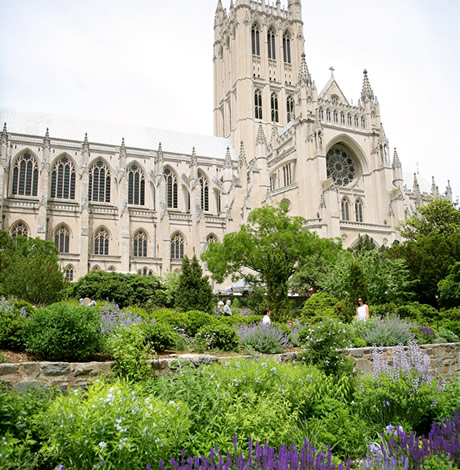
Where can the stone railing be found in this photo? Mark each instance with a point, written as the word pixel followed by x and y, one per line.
pixel 445 361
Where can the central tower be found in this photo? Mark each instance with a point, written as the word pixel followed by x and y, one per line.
pixel 257 56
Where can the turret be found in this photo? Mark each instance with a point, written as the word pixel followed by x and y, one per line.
pixel 261 145
pixel 416 189
pixel 397 170
pixel 448 192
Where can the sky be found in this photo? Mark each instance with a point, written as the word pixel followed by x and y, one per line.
pixel 149 63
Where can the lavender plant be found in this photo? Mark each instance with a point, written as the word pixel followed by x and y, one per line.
pixel 113 317
pixel 399 449
pixel 388 331
pixel 267 339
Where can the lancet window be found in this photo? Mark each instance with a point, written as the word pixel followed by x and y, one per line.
pixel 255 41
pixel 140 244
pixel 136 185
pixel 62 238
pixel 204 186
pixel 99 182
pixel 101 242
pixel 25 176
pixel 271 44
pixel 171 188
pixel 177 246
pixel 63 179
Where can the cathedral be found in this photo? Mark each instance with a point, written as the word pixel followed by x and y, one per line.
pixel 133 199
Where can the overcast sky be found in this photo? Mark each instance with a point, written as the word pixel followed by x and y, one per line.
pixel 149 62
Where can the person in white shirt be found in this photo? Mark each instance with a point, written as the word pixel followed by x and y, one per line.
pixel 266 318
pixel 227 309
pixel 362 310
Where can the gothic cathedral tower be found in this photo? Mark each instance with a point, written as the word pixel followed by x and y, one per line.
pixel 257 52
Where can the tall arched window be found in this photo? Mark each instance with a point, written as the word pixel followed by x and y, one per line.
pixel 63 179
pixel 25 176
pixel 336 116
pixel 363 122
pixel 69 272
pixel 287 48
pixel 19 229
pixel 321 114
pixel 290 107
pixel 287 174
pixel 258 104
pixel 255 39
pixel 204 191
pixel 140 244
pixel 328 115
pixel 171 188
pixel 349 122
pixel 136 185
pixel 274 107
pixel 342 118
pixel 177 246
pixel 356 121
pixel 218 201
pixel 99 182
pixel 345 209
pixel 271 44
pixel 358 210
pixel 62 238
pixel 101 242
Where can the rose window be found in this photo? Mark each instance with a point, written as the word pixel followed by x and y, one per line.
pixel 340 166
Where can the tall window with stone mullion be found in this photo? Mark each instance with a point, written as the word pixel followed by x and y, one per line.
pixel 25 176
pixel 171 188
pixel 99 183
pixel 204 191
pixel 271 44
pixel 136 186
pixel 177 246
pixel 19 229
pixel 286 48
pixel 101 242
pixel 62 239
pixel 140 244
pixel 255 40
pixel 63 179
pixel 290 108
pixel 258 104
pixel 274 106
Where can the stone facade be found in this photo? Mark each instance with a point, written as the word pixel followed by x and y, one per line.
pixel 444 358
pixel 139 199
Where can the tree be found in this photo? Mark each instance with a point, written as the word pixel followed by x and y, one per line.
pixel 449 288
pixel 29 269
pixel 194 291
pixel 357 287
pixel 266 251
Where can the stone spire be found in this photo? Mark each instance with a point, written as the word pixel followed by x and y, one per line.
pixel 242 157
pixel 46 140
pixel 433 187
pixel 4 136
pixel 193 160
pixel 304 74
pixel 260 140
pixel 367 92
pixel 449 191
pixel 228 159
pixel 122 154
pixel 160 154
pixel 416 189
pixel 86 143
pixel 396 160
pixel 219 6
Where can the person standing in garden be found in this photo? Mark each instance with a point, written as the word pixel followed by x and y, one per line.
pixel 220 308
pixel 266 319
pixel 227 309
pixel 362 310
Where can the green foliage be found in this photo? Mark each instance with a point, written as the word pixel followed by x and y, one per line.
pixel 448 335
pixel 130 350
pixel 159 336
pixel 320 305
pixel 450 319
pixel 219 337
pixel 16 453
pixel 13 315
pixel 29 269
pixel 449 288
pixel 123 289
pixel 196 320
pixel 387 331
pixel 171 285
pixel 322 343
pixel 423 313
pixel 64 332
pixel 194 290
pixel 118 424
pixel 271 244
pixel 238 319
pixel 357 287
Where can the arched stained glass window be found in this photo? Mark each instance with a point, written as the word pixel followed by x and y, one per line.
pixel 345 209
pixel 19 229
pixel 358 210
pixel 290 107
pixel 136 185
pixel 271 44
pixel 274 106
pixel 287 48
pixel 25 176
pixel 62 238
pixel 204 191
pixel 63 179
pixel 177 246
pixel 101 242
pixel 255 41
pixel 171 188
pixel 99 182
pixel 69 272
pixel 140 244
pixel 258 104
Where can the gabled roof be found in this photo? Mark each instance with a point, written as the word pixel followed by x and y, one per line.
pixel 148 138
pixel 332 88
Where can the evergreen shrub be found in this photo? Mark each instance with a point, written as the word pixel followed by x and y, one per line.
pixel 196 320
pixel 159 336
pixel 318 306
pixel 64 332
pixel 220 337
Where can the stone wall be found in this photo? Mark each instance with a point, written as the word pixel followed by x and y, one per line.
pixel 445 360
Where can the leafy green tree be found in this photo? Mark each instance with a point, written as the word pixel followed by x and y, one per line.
pixel 266 251
pixel 357 287
pixel 194 291
pixel 449 288
pixel 29 269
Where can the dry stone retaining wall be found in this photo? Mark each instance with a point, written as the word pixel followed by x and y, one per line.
pixel 445 360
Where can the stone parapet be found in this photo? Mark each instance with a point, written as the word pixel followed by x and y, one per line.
pixel 444 358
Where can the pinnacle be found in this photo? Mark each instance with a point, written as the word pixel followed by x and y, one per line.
pixel 367 90
pixel 260 136
pixel 396 160
pixel 304 73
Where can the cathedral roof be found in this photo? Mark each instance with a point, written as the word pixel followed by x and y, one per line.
pixel 332 88
pixel 148 138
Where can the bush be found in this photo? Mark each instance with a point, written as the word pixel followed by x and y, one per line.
pixel 449 335
pixel 113 317
pixel 449 288
pixel 388 331
pixel 323 344
pixel 267 339
pixel 237 319
pixel 196 320
pixel 159 336
pixel 220 337
pixel 318 306
pixel 450 319
pixel 123 289
pixel 383 309
pixel 64 332
pixel 13 315
pixel 118 424
pixel 175 319
pixel 423 313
